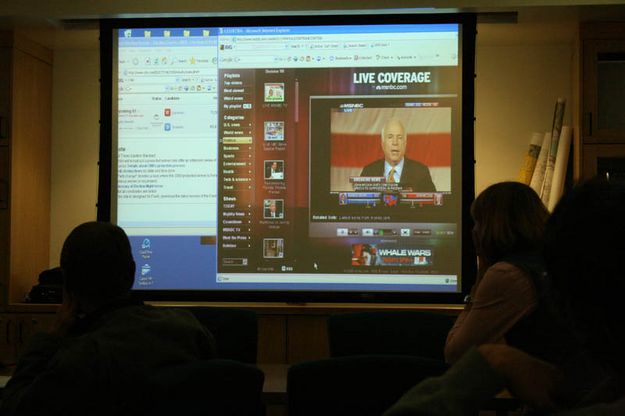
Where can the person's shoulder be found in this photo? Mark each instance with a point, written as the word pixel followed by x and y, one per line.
pixel 506 277
pixel 179 314
pixel 148 315
pixel 371 168
pixel 376 163
pixel 504 269
pixel 506 283
pixel 413 164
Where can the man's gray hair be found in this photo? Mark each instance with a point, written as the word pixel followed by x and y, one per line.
pixel 392 119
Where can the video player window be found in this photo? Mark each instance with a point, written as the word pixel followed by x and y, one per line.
pixel 292 158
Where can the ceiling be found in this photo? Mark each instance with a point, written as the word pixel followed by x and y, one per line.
pixel 73 24
pixel 93 9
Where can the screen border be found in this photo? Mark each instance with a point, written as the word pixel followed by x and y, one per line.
pixel 468 260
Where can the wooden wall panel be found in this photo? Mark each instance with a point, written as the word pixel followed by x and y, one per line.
pixel 5 95
pixel 5 177
pixel 4 223
pixel 307 338
pixel 30 164
pixel 271 339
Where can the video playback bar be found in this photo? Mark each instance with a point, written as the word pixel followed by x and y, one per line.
pixel 375 199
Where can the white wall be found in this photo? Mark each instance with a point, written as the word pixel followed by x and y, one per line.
pixel 516 90
pixel 75 143
pixel 521 70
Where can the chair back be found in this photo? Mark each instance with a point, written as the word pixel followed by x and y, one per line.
pixel 235 331
pixel 415 333
pixel 358 385
pixel 205 388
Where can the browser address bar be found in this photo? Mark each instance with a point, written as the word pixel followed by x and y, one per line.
pixel 251 59
pixel 256 46
pixel 264 45
pixel 326 45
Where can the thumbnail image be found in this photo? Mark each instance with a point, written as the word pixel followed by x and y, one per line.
pixel 273 208
pixel 438 199
pixel 364 255
pixel 274 92
pixel 390 200
pixel 390 255
pixel 274 131
pixel 273 248
pixel 343 198
pixel 274 170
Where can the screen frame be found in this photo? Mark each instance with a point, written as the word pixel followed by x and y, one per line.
pixel 468 256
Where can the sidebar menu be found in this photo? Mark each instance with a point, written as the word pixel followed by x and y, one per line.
pixel 236 141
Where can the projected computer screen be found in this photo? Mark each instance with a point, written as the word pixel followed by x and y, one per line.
pixel 291 158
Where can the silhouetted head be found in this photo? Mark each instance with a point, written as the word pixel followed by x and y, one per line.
pixel 509 218
pixel 585 257
pixel 97 263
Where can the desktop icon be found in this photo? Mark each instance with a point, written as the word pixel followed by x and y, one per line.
pixel 167 127
pixel 145 269
pixel 146 244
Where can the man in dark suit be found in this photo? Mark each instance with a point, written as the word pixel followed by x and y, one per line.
pixel 410 174
pixel 271 209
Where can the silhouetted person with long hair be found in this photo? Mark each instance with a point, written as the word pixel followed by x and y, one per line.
pixel 509 221
pixel 584 253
